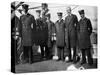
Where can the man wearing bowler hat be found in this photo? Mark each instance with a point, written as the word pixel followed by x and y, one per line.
pixel 84 32
pixel 28 26
pixel 60 35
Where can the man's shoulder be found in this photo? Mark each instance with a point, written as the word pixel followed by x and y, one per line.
pixel 87 19
pixel 73 15
pixel 31 15
pixel 66 17
pixel 51 22
pixel 57 21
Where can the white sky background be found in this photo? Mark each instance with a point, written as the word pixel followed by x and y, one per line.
pixel 90 11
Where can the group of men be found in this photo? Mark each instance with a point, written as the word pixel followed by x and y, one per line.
pixel 69 33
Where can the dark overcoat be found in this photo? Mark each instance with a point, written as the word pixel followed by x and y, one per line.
pixel 44 33
pixel 60 33
pixel 51 30
pixel 84 32
pixel 70 31
pixel 28 27
pixel 39 33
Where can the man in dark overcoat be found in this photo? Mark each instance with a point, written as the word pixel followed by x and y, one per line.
pixel 71 34
pixel 44 38
pixel 39 32
pixel 60 35
pixel 51 31
pixel 28 26
pixel 39 25
pixel 42 33
pixel 84 32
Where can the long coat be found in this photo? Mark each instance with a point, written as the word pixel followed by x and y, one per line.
pixel 70 31
pixel 51 30
pixel 27 30
pixel 60 33
pixel 44 33
pixel 39 33
pixel 84 32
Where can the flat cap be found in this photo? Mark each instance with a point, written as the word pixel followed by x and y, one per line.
pixel 59 13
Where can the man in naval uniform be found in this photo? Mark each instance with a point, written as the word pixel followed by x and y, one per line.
pixel 60 36
pixel 28 26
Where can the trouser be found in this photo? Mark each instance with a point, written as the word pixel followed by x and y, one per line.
pixel 44 51
pixel 87 52
pixel 61 53
pixel 28 54
pixel 49 52
pixel 72 54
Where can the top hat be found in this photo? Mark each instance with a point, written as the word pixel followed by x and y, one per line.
pixel 45 4
pixel 25 6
